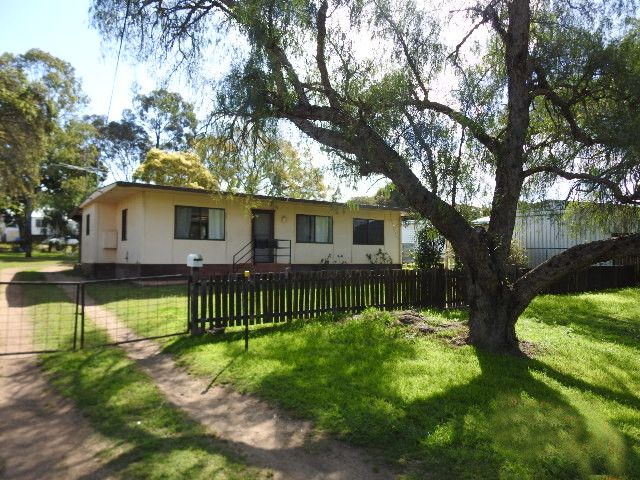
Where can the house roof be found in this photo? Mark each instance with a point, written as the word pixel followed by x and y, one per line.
pixel 119 190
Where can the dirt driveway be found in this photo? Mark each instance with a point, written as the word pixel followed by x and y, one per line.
pixel 41 434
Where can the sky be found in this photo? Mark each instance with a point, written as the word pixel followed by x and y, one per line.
pixel 61 27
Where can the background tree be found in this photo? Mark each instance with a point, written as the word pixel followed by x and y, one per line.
pixel 268 166
pixel 552 93
pixel 169 120
pixel 71 169
pixel 38 93
pixel 179 169
pixel 122 145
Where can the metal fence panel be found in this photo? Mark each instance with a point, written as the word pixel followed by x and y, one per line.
pixel 47 316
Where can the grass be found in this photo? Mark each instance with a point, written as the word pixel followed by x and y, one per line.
pixel 37 261
pixel 50 314
pixel 434 410
pixel 150 310
pixel 440 411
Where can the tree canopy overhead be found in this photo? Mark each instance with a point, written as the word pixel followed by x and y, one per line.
pixel 524 93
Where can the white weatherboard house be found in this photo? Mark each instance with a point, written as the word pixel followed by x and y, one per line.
pixel 134 229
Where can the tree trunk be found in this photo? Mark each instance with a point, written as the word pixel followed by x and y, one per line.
pixel 492 321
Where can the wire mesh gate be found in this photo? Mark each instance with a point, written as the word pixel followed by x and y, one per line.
pixel 49 316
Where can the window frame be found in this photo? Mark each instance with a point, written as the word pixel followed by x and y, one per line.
pixel 314 228
pixel 224 223
pixel 369 222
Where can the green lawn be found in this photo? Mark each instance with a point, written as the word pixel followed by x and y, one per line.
pixel 441 411
pixel 50 314
pixel 149 310
pixel 37 261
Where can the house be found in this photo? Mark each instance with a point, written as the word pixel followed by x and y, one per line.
pixel 134 229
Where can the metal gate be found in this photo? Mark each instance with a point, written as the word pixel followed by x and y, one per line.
pixel 49 316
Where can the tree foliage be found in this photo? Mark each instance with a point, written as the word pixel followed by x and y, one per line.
pixel 70 170
pixel 39 95
pixel 531 93
pixel 169 120
pixel 122 145
pixel 179 169
pixel 429 247
pixel 269 166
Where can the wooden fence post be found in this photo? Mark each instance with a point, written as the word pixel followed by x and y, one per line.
pixel 245 308
pixel 193 321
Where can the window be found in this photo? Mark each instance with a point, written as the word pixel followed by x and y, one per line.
pixel 39 223
pixel 368 232
pixel 199 223
pixel 123 230
pixel 314 229
pixel 88 225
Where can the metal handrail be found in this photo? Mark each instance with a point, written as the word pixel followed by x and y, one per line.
pixel 240 256
pixel 246 255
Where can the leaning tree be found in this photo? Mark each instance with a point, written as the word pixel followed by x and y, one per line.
pixel 526 92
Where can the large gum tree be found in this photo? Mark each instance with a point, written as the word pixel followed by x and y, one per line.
pixel 526 92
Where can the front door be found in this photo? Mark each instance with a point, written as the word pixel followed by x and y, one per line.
pixel 262 228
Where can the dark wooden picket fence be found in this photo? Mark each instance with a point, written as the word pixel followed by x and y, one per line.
pixel 597 277
pixel 233 300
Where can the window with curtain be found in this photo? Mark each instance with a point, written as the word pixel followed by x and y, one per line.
pixel 199 223
pixel 314 229
pixel 368 232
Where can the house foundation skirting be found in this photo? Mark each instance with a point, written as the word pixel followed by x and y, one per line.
pixel 123 270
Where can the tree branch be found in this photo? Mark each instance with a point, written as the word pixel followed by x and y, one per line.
pixel 615 189
pixel 321 21
pixel 405 48
pixel 564 108
pixel 490 142
pixel 433 178
pixel 571 260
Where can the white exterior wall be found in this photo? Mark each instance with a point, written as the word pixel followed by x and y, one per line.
pixel 98 246
pixel 150 230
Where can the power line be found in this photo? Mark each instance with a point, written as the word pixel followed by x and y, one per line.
pixel 115 73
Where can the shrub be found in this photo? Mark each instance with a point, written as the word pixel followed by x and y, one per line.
pixel 429 248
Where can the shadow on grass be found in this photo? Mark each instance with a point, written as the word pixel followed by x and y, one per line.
pixel 35 294
pixel 437 410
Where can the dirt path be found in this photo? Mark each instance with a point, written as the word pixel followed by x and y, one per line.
pixel 264 435
pixel 41 434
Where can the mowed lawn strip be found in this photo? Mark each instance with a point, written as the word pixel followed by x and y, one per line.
pixel 49 314
pixel 38 261
pixel 148 309
pixel 444 411
pixel 151 438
